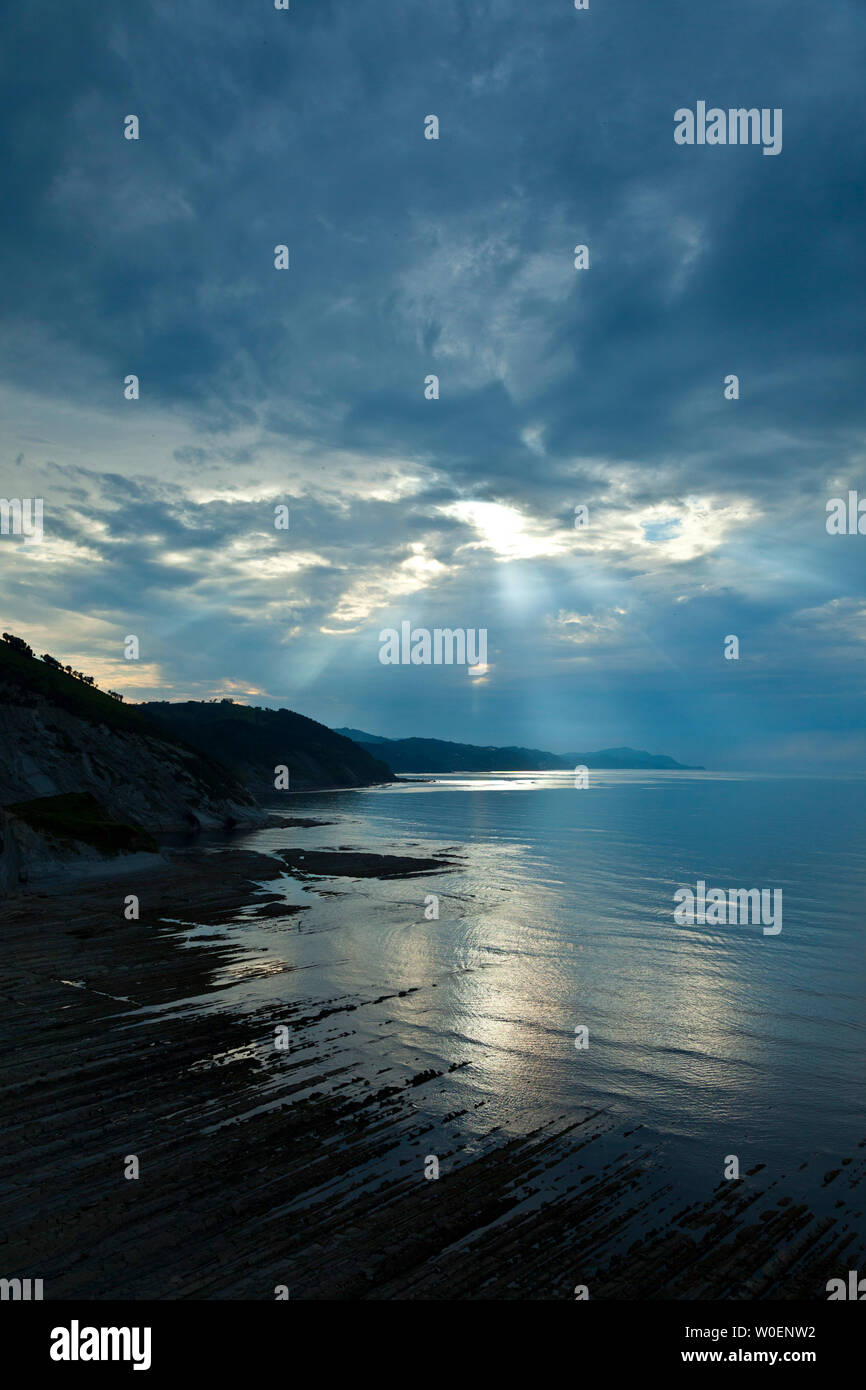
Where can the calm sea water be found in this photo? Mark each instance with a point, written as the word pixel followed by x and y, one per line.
pixel 559 913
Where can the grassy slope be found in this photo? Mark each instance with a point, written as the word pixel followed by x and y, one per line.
pixel 79 816
pixel 34 678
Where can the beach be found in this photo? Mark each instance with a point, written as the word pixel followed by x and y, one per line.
pixel 306 1168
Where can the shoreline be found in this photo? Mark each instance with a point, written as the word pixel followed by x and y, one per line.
pixel 260 1168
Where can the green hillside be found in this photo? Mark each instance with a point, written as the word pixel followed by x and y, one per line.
pixel 36 680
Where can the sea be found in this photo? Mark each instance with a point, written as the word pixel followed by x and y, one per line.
pixel 543 972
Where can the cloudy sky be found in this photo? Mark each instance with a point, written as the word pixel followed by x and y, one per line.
pixel 408 257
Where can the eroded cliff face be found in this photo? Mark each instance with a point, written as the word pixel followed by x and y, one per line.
pixel 111 769
pixel 30 859
pixel 139 779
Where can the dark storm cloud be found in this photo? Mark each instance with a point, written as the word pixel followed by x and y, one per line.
pixel 411 257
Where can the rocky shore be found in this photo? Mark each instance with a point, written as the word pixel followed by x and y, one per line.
pixel 304 1167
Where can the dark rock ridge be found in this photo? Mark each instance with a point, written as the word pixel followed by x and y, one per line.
pixel 438 755
pixel 241 1137
pixel 253 741
pixel 352 863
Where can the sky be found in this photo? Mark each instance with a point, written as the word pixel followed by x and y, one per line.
pixel 559 387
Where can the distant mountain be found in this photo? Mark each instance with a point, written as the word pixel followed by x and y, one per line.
pixel 631 758
pixel 435 755
pixel 438 755
pixel 252 742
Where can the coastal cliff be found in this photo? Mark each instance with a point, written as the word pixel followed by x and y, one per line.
pixel 85 777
